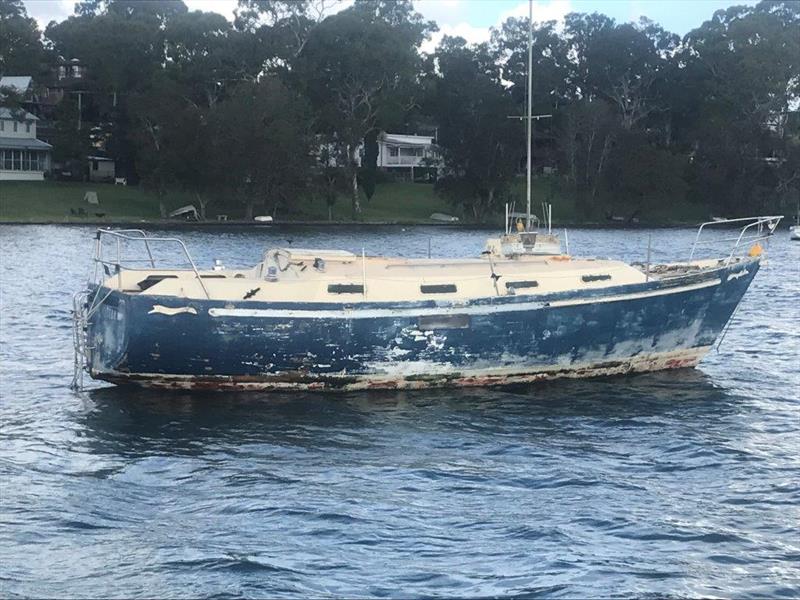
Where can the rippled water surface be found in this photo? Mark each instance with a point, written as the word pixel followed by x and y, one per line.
pixel 684 483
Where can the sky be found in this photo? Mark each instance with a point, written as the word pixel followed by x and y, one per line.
pixel 471 19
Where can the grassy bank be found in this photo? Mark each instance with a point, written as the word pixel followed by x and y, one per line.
pixel 59 201
pixel 50 201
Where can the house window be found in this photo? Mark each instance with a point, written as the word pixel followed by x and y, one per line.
pixel 16 155
pixel 393 151
pixel 28 127
pixel 15 126
pixel 94 165
pixel 2 125
pixel 62 72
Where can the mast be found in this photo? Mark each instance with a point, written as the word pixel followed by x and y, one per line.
pixel 530 111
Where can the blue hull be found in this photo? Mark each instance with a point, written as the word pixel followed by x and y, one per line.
pixel 170 342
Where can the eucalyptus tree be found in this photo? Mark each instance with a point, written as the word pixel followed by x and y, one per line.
pixel 266 158
pixel 482 148
pixel 739 76
pixel 21 49
pixel 358 68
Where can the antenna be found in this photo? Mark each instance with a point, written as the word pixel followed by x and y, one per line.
pixel 529 117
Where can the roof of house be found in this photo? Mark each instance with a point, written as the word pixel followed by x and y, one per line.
pixel 100 158
pixel 19 83
pixel 7 113
pixel 407 140
pixel 10 143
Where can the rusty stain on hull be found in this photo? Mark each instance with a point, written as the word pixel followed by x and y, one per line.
pixel 484 378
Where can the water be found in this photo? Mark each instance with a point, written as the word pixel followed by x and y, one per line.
pixel 684 483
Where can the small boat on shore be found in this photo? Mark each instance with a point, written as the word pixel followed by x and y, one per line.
pixel 325 319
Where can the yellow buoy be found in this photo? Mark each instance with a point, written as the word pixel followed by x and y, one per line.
pixel 755 250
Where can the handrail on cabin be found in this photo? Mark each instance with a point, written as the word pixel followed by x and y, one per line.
pixel 770 221
pixel 124 234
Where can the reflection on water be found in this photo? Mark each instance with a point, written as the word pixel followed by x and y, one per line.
pixel 140 421
pixel 678 483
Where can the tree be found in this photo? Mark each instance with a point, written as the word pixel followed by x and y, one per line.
pixel 551 63
pixel 198 57
pixel 482 147
pixel 369 165
pixel 588 131
pixel 283 25
pixel 21 49
pixel 266 158
pixel 738 77
pixel 356 67
pixel 640 175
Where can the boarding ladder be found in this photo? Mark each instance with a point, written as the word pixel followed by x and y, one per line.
pixel 80 341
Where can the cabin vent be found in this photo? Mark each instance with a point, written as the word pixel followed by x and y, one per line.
pixel 345 288
pixel 590 278
pixel 439 288
pixel 521 285
pixel 444 322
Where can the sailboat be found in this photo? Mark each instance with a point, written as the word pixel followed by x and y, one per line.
pixel 315 319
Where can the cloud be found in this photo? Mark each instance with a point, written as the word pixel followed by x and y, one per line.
pixel 471 33
pixel 554 10
pixel 45 11
pixel 223 7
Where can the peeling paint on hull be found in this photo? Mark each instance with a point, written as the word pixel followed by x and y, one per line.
pixel 499 377
pixel 486 342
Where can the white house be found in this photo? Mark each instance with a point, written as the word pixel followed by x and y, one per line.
pixel 397 152
pixel 401 150
pixel 22 156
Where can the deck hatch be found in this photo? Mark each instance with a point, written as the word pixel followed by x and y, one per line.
pixel 444 322
pixel 345 288
pixel 521 285
pixel 590 278
pixel 438 288
pixel 151 280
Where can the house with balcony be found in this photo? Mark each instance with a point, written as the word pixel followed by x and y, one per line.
pixel 22 156
pixel 402 153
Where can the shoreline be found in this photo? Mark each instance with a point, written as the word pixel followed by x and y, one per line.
pixel 242 224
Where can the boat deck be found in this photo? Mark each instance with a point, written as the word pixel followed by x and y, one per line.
pixel 336 277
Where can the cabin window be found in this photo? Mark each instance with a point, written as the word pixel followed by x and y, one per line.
pixel 521 285
pixel 444 322
pixel 591 278
pixel 345 288
pixel 151 280
pixel 439 288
